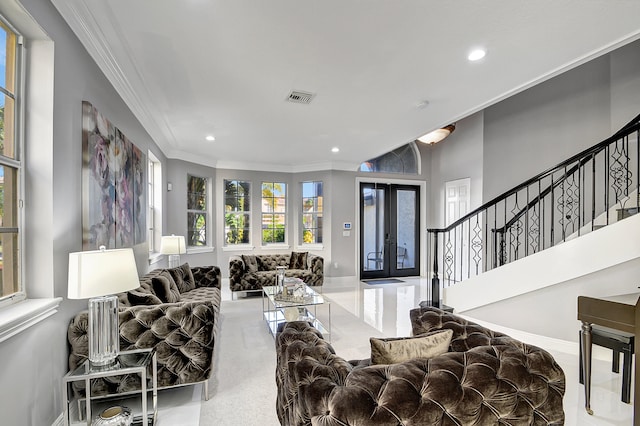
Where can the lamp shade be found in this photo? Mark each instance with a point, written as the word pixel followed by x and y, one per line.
pixel 172 244
pixel 101 272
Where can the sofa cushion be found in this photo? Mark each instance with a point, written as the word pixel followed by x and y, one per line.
pixel 400 349
pixel 298 260
pixel 165 288
pixel 251 262
pixel 183 277
pixel 142 298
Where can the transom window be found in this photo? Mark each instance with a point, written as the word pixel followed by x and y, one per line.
pixel 237 212
pixel 312 201
pixel 197 211
pixel 404 160
pixel 274 212
pixel 10 164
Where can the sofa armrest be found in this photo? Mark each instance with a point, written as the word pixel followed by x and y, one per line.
pixel 315 264
pixel 237 269
pixel 307 372
pixel 207 276
pixel 182 333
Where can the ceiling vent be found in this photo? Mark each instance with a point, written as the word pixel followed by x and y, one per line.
pixel 300 97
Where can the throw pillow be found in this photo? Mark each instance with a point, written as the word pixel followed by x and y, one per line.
pixel 183 277
pixel 400 349
pixel 165 288
pixel 251 261
pixel 298 260
pixel 141 298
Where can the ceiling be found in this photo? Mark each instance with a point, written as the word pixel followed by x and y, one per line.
pixel 383 72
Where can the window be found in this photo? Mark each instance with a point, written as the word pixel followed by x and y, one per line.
pixel 197 211
pixel 237 212
pixel 10 165
pixel 404 160
pixel 274 212
pixel 312 212
pixel 154 215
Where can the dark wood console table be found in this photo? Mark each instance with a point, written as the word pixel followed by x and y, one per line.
pixel 619 313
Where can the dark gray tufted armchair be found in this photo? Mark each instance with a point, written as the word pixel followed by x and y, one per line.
pixel 486 378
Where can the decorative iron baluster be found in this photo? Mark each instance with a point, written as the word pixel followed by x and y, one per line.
pixel 620 173
pixel 476 245
pixel 568 204
pixel 515 231
pixel 448 259
pixel 534 228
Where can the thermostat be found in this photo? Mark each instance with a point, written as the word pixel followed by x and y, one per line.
pixel 346 226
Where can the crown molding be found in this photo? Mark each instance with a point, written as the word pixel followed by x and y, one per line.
pixel 92 34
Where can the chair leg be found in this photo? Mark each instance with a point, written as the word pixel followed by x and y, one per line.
pixel 626 375
pixel 206 390
pixel 615 366
pixel 580 372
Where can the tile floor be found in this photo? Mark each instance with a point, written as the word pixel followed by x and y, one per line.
pixel 243 387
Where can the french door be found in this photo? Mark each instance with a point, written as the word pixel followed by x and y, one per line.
pixel 389 230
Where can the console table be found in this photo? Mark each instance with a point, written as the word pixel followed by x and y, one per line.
pixel 620 312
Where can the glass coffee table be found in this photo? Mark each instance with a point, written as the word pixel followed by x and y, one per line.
pixel 276 311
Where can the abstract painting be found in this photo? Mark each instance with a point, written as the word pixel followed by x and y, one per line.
pixel 113 185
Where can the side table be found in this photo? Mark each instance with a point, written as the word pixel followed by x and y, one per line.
pixel 127 362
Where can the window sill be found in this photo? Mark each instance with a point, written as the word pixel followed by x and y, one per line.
pixel 196 250
pixel 311 247
pixel 17 318
pixel 154 258
pixel 240 247
pixel 276 247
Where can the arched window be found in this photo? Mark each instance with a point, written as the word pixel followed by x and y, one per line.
pixel 403 160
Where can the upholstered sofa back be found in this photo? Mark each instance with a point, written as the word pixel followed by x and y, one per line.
pixel 502 382
pixel 252 272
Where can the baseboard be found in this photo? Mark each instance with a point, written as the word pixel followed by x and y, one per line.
pixel 59 421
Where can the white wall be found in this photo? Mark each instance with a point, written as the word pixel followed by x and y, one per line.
pixel 35 360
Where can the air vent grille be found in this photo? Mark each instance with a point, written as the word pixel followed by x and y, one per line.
pixel 300 97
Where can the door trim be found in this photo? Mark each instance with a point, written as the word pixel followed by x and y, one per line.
pixel 422 227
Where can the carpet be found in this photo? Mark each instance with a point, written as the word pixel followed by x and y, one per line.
pixel 382 281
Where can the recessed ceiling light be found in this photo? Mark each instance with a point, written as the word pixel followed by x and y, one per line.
pixel 335 149
pixel 210 138
pixel 476 55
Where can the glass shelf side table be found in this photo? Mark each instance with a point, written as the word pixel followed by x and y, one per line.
pixel 127 362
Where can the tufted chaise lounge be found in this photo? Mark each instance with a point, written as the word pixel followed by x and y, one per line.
pixel 243 279
pixel 182 331
pixel 486 378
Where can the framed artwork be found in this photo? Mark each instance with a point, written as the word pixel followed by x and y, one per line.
pixel 113 185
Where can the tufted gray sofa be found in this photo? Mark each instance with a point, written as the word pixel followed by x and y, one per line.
pixel 183 331
pixel 486 378
pixel 242 279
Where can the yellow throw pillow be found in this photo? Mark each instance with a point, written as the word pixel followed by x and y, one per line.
pixel 400 349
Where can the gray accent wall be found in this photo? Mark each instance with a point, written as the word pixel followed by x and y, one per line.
pixel 35 360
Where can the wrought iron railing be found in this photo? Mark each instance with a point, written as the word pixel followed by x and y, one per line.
pixel 587 191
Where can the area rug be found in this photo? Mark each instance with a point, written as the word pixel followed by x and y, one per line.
pixel 382 281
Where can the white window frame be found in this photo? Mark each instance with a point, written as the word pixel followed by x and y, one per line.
pixel 244 212
pixel 315 214
pixel 285 213
pixel 207 213
pixel 17 164
pixel 154 208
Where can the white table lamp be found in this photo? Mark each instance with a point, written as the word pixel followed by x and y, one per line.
pixel 174 246
pixel 98 275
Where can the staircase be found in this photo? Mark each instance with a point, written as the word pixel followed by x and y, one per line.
pixel 529 224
